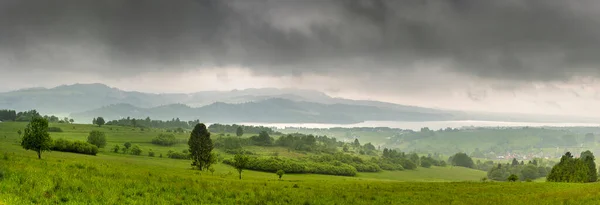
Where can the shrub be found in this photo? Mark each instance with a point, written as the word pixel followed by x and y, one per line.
pixel 97 138
pixel 513 178
pixel 239 151
pixel 356 162
pixel 280 173
pixel 462 160
pixel 274 164
pixel 116 149
pixel 127 145
pixel 135 150
pixel 177 155
pixel 150 153
pixel 164 140
pixel 54 129
pixel 426 164
pixel 63 145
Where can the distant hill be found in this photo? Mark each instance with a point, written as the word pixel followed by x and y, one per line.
pixel 85 101
pixel 84 97
pixel 274 110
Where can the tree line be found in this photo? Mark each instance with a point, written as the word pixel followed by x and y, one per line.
pixel 221 128
pixel 26 116
pixel 150 123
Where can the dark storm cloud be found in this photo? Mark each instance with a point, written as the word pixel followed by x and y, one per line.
pixel 508 39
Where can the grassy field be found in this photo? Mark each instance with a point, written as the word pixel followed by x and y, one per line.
pixel 110 178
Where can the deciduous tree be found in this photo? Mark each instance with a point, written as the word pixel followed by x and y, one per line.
pixel 99 121
pixel 588 158
pixel 36 137
pixel 97 138
pixel 462 159
pixel 239 131
pixel 239 162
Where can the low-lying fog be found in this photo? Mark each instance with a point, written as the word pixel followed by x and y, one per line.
pixel 430 124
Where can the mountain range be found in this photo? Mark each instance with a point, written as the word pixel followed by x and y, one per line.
pixel 266 105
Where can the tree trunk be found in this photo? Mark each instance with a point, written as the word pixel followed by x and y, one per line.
pixel 39 154
pixel 240 175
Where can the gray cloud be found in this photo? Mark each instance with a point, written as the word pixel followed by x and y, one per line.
pixel 509 39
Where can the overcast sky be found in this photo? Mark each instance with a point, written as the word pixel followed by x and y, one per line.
pixel 529 56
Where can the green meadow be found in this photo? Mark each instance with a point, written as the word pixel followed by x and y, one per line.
pixel 116 178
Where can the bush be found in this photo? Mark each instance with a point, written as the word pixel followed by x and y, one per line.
pixel 165 140
pixel 462 160
pixel 239 151
pixel 232 143
pixel 356 162
pixel 274 164
pixel 426 164
pixel 135 150
pixel 177 155
pixel 127 145
pixel 97 138
pixel 54 129
pixel 150 153
pixel 390 166
pixel 513 178
pixel 63 145
pixel 116 149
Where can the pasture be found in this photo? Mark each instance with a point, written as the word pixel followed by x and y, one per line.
pixel 115 178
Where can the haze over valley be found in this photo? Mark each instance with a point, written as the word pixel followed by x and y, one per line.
pixel 83 102
pixel 299 102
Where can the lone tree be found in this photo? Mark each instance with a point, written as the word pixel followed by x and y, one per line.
pixel 462 160
pixel 239 162
pixel 239 132
pixel 97 138
pixel 201 147
pixel 280 173
pixel 36 137
pixel 98 121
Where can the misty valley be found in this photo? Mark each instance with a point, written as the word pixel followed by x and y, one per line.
pixel 179 157
pixel 300 102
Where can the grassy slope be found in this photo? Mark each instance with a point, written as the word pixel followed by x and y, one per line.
pixel 124 179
